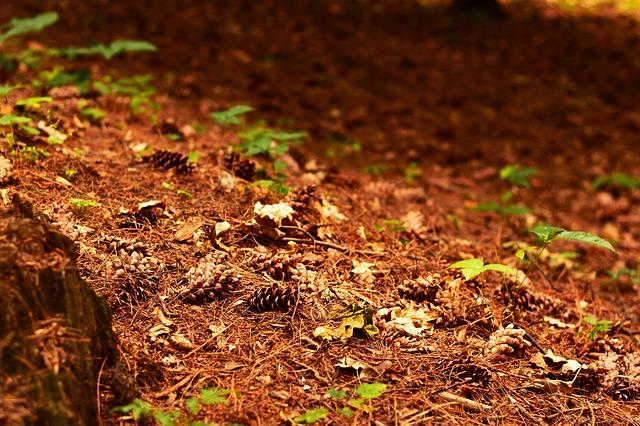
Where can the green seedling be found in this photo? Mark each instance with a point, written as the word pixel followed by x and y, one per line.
pixel 375 169
pixel 278 187
pixel 169 186
pixel 393 224
pixel 5 90
pixel 598 327
pixel 33 154
pixel 18 27
pixel 366 391
pixel 69 173
pixel 517 175
pixel 412 172
pixel 632 274
pixel 139 408
pixel 619 179
pixel 471 268
pixel 34 102
pixel 13 120
pixel 509 209
pixel 546 234
pixel 95 115
pixel 230 116
pixel 81 205
pixel 58 77
pixel 107 51
pixel 259 140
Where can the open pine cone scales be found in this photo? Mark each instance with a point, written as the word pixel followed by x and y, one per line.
pixel 274 298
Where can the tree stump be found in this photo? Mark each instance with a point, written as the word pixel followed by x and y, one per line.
pixel 54 330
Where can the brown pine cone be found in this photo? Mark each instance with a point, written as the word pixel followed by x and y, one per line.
pixel 422 289
pixel 274 298
pixel 170 160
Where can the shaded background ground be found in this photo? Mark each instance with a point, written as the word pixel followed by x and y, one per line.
pixel 545 88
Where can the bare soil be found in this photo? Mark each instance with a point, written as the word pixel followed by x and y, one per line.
pixel 438 107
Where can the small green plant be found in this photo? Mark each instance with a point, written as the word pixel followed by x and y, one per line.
pixel 508 209
pixel 139 408
pixel 412 172
pixel 621 180
pixel 70 173
pixel 598 327
pixel 393 225
pixel 33 154
pixel 632 274
pixel 107 51
pixel 81 205
pixel 5 90
pixel 375 169
pixel 365 392
pixel 230 116
pixel 545 234
pixel 34 102
pixel 517 175
pixel 278 187
pixel 95 115
pixel 22 26
pixel 471 268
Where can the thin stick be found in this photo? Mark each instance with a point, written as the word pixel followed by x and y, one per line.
pixel 330 245
pixel 467 403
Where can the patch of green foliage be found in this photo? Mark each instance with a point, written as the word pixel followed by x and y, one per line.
pixel 619 179
pixel 32 153
pixel 598 327
pixel 231 116
pixel 107 51
pixel 509 209
pixel 517 175
pixel 81 205
pixel 546 234
pixel 22 26
pixel 365 392
pixel 208 396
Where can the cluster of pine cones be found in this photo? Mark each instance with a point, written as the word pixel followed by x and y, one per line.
pixel 213 276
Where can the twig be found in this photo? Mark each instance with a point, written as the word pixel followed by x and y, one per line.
pixel 315 372
pixel 467 403
pixel 330 245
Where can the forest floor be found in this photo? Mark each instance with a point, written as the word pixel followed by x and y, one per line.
pixel 282 306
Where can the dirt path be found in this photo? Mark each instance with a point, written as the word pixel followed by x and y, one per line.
pixel 410 118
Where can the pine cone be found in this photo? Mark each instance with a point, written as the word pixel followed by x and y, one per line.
pixel 274 298
pixel 285 267
pixel 170 160
pixel 213 276
pixel 243 168
pixel 422 289
pixel 127 245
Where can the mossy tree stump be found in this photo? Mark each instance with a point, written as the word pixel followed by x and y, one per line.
pixel 54 331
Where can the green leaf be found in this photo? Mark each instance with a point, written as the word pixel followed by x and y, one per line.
pixel 30 130
pixel 521 252
pixel 10 119
pixel 517 175
pixel 213 396
pixel 495 207
pixel 193 405
pixel 230 116
pixel 371 390
pixel 167 185
pixel 34 102
pixel 473 267
pixel 184 193
pixel 346 412
pixel 337 393
pixel 166 419
pixel 5 90
pixel 94 114
pixel 584 237
pixel 29 25
pixel 137 408
pixel 120 46
pixel 312 416
pixel 545 232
